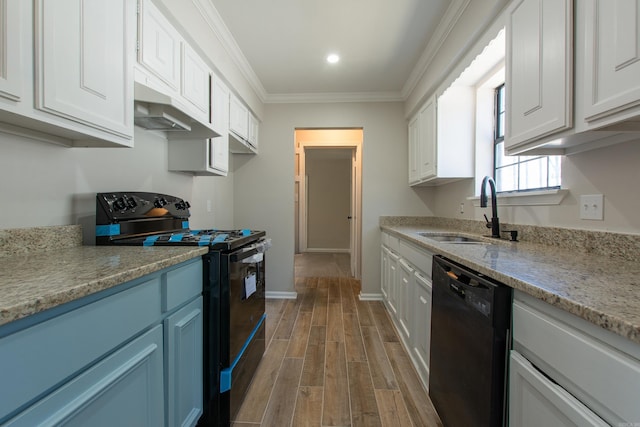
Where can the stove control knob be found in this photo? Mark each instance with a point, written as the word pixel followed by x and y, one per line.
pixel 120 204
pixel 182 205
pixel 132 204
pixel 158 203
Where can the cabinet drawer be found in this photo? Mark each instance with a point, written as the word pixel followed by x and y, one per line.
pixel 124 389
pixel 41 357
pixel 390 241
pixel 181 284
pixel 604 378
pixel 536 401
pixel 421 259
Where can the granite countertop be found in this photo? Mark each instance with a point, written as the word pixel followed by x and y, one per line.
pixel 32 282
pixel 601 289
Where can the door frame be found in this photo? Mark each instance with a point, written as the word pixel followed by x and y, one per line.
pixel 347 138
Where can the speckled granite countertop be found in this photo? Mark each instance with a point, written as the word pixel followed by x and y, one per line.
pixel 604 290
pixel 36 280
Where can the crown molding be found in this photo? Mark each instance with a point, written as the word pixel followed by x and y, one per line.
pixel 221 31
pixel 448 22
pixel 331 97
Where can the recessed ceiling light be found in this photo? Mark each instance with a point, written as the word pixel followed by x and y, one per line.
pixel 333 58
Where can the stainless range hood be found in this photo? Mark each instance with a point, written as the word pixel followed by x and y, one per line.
pixel 154 110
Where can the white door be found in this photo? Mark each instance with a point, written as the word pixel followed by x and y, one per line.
pixel 353 222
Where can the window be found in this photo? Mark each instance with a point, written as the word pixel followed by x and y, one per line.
pixel 520 173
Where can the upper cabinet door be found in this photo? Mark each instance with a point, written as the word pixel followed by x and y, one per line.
pixel 539 76
pixel 10 49
pixel 612 57
pixel 238 117
pixel 84 62
pixel 427 135
pixel 159 46
pixel 195 82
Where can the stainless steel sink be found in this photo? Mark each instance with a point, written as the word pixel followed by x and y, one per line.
pixel 451 238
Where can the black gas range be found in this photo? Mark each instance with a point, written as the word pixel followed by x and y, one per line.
pixel 233 287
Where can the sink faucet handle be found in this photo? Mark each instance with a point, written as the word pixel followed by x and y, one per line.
pixel 489 223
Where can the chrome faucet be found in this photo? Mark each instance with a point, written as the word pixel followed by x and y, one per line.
pixel 494 224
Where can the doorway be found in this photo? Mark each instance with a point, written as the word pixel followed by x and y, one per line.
pixel 328 193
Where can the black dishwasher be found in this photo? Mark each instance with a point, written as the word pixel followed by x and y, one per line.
pixel 471 316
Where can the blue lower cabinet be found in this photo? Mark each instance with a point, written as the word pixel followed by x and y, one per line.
pixel 184 374
pixel 129 357
pixel 125 389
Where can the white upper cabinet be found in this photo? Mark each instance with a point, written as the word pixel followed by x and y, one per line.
pixel 254 127
pixel 206 156
pixel 414 153
pixel 195 82
pixel 563 102
pixel 612 60
pixel 243 128
pixel 427 138
pixel 83 72
pixel 238 117
pixel 11 45
pixel 441 138
pixel 219 155
pixel 159 49
pixel 539 76
pixel 66 71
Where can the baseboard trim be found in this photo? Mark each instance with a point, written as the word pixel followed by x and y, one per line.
pixel 327 250
pixel 280 295
pixel 370 297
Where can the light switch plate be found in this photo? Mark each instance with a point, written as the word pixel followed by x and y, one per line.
pixel 591 207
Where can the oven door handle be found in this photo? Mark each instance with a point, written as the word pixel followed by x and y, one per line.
pixel 239 256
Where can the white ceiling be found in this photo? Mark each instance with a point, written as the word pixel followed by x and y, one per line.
pixel 383 45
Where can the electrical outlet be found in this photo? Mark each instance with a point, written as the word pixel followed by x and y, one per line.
pixel 591 207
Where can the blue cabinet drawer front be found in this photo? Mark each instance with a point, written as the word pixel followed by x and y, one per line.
pixel 181 285
pixel 126 388
pixel 37 359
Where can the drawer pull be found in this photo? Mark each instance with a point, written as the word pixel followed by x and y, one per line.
pixel 423 300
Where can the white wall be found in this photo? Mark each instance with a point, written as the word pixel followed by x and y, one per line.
pixel 612 171
pixel 46 184
pixel 264 184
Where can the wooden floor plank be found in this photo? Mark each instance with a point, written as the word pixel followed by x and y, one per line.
pixel 364 313
pixel 353 338
pixel 255 402
pixel 335 411
pixel 393 411
pixel 288 319
pixel 381 370
pixel 335 323
pixel 334 290
pixel 383 322
pixel 283 398
pixel 308 299
pixel 364 409
pixel 300 335
pixel 415 396
pixel 308 412
pixel 346 293
pixel 313 368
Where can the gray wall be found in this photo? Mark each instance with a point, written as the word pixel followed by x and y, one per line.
pixel 47 184
pixel 264 184
pixel 328 202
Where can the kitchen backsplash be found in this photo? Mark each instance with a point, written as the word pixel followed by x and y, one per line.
pixel 16 241
pixel 615 245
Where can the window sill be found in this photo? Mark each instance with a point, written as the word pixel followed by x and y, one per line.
pixel 528 198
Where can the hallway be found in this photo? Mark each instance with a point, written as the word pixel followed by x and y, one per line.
pixel 333 360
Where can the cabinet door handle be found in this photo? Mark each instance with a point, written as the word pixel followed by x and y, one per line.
pixel 423 300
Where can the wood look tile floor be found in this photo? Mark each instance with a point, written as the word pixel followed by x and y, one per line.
pixel 333 360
